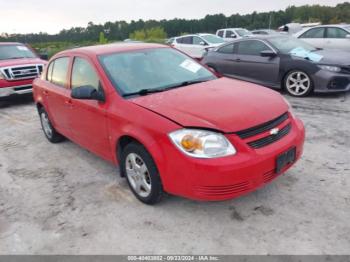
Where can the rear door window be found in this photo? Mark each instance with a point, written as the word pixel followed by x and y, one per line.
pixel 314 33
pixel 59 71
pixel 187 40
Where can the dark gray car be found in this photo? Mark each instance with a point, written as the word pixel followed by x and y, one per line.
pixel 282 62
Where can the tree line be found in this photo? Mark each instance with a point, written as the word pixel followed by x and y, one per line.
pixel 119 30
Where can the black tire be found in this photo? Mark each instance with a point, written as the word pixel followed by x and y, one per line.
pixel 304 92
pixel 53 136
pixel 156 191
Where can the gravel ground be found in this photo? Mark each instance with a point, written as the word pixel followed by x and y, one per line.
pixel 61 199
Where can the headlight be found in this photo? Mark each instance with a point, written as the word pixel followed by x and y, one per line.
pixel 202 143
pixel 330 68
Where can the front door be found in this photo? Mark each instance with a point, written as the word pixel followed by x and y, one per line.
pixel 88 117
pixel 249 64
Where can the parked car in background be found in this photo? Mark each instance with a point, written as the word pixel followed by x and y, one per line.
pixel 19 65
pixel 169 122
pixel 283 62
pixel 293 28
pixel 230 34
pixel 196 45
pixel 327 36
pixel 265 32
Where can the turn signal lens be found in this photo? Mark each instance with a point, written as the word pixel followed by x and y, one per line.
pixel 202 143
pixel 191 143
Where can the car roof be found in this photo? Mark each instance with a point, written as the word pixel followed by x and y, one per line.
pixel 112 48
pixel 10 43
pixel 235 28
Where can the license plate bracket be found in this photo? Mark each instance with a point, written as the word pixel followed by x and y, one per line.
pixel 284 159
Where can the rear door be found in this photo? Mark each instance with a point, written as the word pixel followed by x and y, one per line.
pixel 249 64
pixel 57 94
pixel 336 38
pixel 315 37
pixel 88 117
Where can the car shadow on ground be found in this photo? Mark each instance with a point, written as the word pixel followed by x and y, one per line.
pixel 16 101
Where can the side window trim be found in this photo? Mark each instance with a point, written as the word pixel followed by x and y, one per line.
pixel 49 71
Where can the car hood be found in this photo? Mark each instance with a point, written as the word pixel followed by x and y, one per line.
pixel 334 57
pixel 23 61
pixel 222 104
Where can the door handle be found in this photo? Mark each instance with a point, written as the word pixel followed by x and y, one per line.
pixel 69 102
pixel 234 60
pixel 45 93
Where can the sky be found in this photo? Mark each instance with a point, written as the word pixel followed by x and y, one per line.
pixel 33 16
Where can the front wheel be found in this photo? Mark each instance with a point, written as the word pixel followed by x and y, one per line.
pixel 141 173
pixel 298 83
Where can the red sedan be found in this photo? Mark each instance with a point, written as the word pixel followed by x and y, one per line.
pixel 170 123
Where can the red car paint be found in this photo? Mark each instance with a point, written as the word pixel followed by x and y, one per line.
pixel 224 105
pixel 12 84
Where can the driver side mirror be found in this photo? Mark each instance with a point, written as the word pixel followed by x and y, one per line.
pixel 44 57
pixel 88 93
pixel 202 43
pixel 348 36
pixel 268 53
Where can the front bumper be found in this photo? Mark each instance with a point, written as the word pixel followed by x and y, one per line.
pixel 232 176
pixel 329 82
pixel 7 92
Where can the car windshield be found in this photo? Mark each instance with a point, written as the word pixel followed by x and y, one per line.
pixel 287 44
pixel 243 32
pixel 15 52
pixel 213 39
pixel 347 28
pixel 152 69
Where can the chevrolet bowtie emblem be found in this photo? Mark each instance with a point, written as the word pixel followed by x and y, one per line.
pixel 274 131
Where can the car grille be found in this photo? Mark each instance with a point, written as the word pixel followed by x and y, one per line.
pixel 222 190
pixel 271 138
pixel 267 140
pixel 22 72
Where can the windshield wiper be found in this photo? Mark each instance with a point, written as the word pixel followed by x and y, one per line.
pixel 147 91
pixel 16 57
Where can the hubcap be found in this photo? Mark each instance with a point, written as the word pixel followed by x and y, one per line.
pixel 138 175
pixel 46 124
pixel 298 83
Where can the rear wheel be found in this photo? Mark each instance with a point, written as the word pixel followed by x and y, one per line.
pixel 51 134
pixel 298 83
pixel 141 173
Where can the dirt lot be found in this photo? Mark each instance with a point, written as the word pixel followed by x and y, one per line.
pixel 60 199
